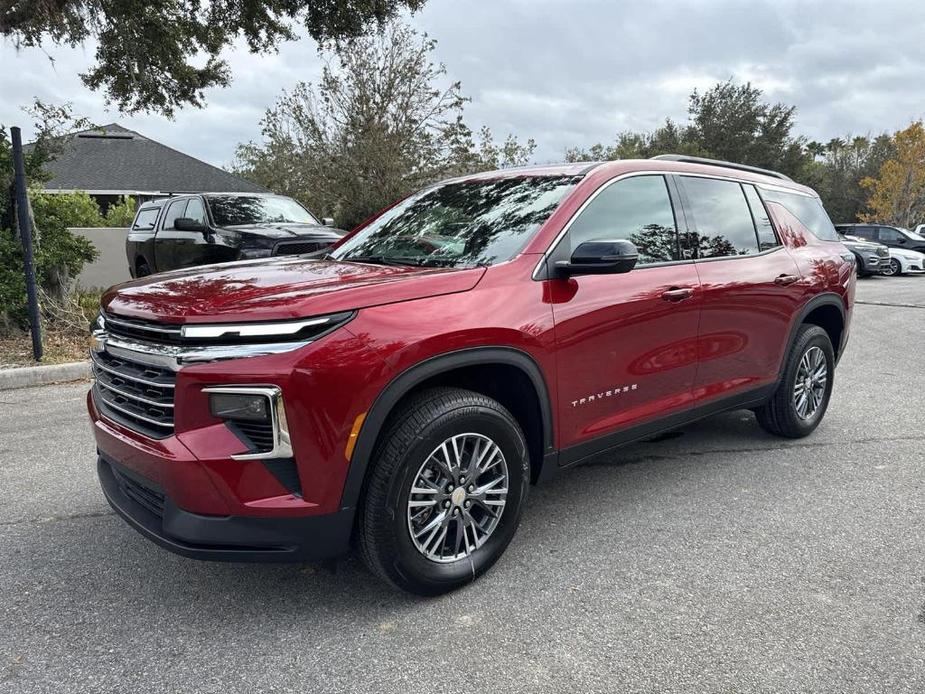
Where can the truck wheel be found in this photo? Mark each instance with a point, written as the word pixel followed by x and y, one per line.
pixel 445 495
pixel 142 269
pixel 802 396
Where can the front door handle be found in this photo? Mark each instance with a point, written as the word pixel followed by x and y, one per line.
pixel 678 293
pixel 786 280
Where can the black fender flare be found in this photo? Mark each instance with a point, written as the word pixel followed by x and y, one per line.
pixel 402 384
pixel 824 299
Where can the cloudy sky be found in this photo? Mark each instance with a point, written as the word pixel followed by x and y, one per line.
pixel 570 72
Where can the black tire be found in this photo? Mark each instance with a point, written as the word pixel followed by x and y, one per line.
pixel 779 415
pixel 858 264
pixel 419 427
pixel 142 269
pixel 895 269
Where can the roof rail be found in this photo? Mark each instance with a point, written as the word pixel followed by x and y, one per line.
pixel 718 162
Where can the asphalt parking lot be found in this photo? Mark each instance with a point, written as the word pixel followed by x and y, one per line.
pixel 717 558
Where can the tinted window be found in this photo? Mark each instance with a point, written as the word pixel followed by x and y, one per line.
pixel 237 210
pixel 146 219
pixel 722 217
pixel 175 211
pixel 460 223
pixel 767 239
pixel 807 209
pixel 196 211
pixel 889 235
pixel 637 209
pixel 862 232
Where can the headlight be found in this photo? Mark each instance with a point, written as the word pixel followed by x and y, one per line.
pixel 251 253
pixel 301 329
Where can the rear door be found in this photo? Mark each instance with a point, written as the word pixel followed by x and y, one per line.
pixel 626 344
pixel 751 287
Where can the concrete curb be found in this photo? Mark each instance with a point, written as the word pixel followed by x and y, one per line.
pixel 41 375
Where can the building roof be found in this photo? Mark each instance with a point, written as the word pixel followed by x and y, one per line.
pixel 115 160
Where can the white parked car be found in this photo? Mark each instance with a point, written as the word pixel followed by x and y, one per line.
pixel 903 261
pixel 920 230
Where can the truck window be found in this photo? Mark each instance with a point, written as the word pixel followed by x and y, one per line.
pixel 146 219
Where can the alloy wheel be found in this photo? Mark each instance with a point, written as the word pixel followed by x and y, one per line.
pixel 892 269
pixel 810 383
pixel 457 497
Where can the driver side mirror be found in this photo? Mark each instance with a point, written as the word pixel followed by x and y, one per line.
pixel 599 258
pixel 327 221
pixel 188 224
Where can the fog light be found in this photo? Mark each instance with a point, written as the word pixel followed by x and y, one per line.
pixel 241 407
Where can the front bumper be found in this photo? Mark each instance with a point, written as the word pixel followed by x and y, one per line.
pixel 145 506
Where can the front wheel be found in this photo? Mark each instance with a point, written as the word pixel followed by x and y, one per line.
pixel 802 396
pixel 445 495
pixel 893 269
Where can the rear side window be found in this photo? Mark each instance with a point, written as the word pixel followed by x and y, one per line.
pixel 807 209
pixel 767 239
pixel 145 219
pixel 866 233
pixel 721 216
pixel 636 209
pixel 174 212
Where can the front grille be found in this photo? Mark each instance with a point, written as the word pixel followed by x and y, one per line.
pixel 161 333
pixel 134 394
pixel 299 247
pixel 140 492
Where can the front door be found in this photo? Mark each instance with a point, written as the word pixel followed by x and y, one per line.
pixel 178 249
pixel 626 343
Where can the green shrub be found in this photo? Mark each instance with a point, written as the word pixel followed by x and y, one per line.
pixel 121 213
pixel 59 254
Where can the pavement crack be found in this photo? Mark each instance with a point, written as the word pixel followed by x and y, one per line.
pixel 55 519
pixel 887 303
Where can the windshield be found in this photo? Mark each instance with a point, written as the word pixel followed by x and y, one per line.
pixel 913 235
pixel 235 210
pixel 475 222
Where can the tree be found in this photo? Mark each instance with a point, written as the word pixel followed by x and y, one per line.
pixel 377 127
pixel 844 164
pixel 729 122
pixel 897 193
pixel 159 55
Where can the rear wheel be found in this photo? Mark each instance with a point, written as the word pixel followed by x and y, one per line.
pixel 142 269
pixel 446 492
pixel 802 396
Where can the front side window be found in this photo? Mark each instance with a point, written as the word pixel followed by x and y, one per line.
pixel 889 235
pixel 721 216
pixel 636 209
pixel 174 212
pixel 242 210
pixel 196 211
pixel 807 209
pixel 462 223
pixel 146 219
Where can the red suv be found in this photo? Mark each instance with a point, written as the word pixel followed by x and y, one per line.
pixel 403 391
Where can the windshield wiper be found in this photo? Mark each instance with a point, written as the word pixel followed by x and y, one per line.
pixel 380 260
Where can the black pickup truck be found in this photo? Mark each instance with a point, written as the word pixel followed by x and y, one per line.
pixel 187 230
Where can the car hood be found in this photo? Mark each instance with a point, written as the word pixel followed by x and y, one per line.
pixel 862 245
pixel 281 288
pixel 286 230
pixel 906 253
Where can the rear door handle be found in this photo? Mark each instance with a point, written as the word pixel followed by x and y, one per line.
pixel 678 293
pixel 785 280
